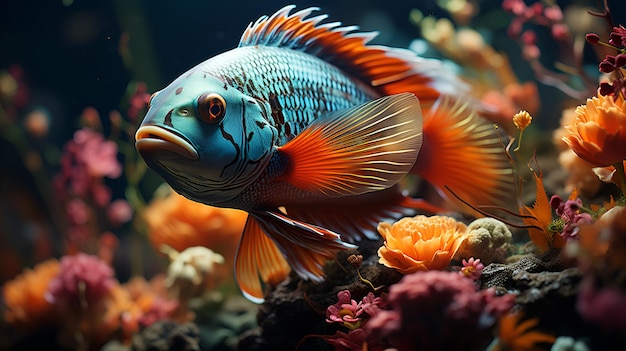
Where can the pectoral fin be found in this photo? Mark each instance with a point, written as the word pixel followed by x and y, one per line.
pixel 362 149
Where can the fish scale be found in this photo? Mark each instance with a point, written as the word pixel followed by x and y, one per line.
pixel 304 86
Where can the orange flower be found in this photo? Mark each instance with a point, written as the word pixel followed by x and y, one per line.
pixel 598 135
pixel 181 223
pixel 539 220
pixel 420 243
pixel 24 296
pixel 513 335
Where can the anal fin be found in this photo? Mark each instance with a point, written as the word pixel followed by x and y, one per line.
pixel 272 242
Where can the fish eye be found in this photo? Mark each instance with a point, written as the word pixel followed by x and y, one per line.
pixel 211 107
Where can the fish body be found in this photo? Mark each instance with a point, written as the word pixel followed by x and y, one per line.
pixel 309 130
pixel 272 94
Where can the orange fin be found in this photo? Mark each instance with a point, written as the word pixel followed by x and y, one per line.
pixel 464 152
pixel 270 240
pixel 388 70
pixel 358 217
pixel 258 256
pixel 365 148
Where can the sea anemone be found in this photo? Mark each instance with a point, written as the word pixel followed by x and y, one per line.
pixel 420 243
pixel 26 307
pixel 598 135
pixel 438 310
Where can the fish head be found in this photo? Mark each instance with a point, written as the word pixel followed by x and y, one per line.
pixel 207 140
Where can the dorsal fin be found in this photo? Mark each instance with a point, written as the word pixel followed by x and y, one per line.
pixel 388 70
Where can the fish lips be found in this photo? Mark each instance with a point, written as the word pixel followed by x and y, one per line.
pixel 152 139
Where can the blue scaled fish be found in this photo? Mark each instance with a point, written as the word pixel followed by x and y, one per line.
pixel 309 129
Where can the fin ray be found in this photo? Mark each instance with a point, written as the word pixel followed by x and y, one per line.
pixel 258 257
pixel 305 246
pixel 390 70
pixel 365 148
pixel 465 153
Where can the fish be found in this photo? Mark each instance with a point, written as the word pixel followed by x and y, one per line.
pixel 310 129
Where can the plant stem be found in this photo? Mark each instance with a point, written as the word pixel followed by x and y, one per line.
pixel 621 181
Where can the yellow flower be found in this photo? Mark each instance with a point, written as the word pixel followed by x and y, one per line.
pixel 522 120
pixel 598 135
pixel 420 243
pixel 24 296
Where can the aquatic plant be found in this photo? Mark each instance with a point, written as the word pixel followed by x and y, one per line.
pixel 516 333
pixel 420 243
pixel 438 310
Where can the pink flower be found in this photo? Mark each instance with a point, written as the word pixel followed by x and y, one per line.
pixel 77 211
pixel 83 281
pixel 119 212
pixel 138 101
pixel 372 304
pixel 345 311
pixel 97 154
pixel 472 268
pixel 160 309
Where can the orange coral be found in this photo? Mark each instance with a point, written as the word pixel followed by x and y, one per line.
pixel 181 223
pixel 24 296
pixel 598 135
pixel 513 335
pixel 420 243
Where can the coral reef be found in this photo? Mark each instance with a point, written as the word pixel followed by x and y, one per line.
pixel 119 261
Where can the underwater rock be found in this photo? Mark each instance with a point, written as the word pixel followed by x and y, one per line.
pixel 297 308
pixel 500 275
pixel 167 336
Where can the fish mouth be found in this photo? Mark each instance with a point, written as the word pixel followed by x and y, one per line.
pixel 154 138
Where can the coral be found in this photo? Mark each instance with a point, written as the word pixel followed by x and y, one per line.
pixel 82 281
pixel 598 135
pixel 438 310
pixel 420 243
pixel 190 273
pixel 181 223
pixel 487 239
pixel 26 307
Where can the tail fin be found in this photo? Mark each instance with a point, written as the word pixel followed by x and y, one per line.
pixel 464 152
